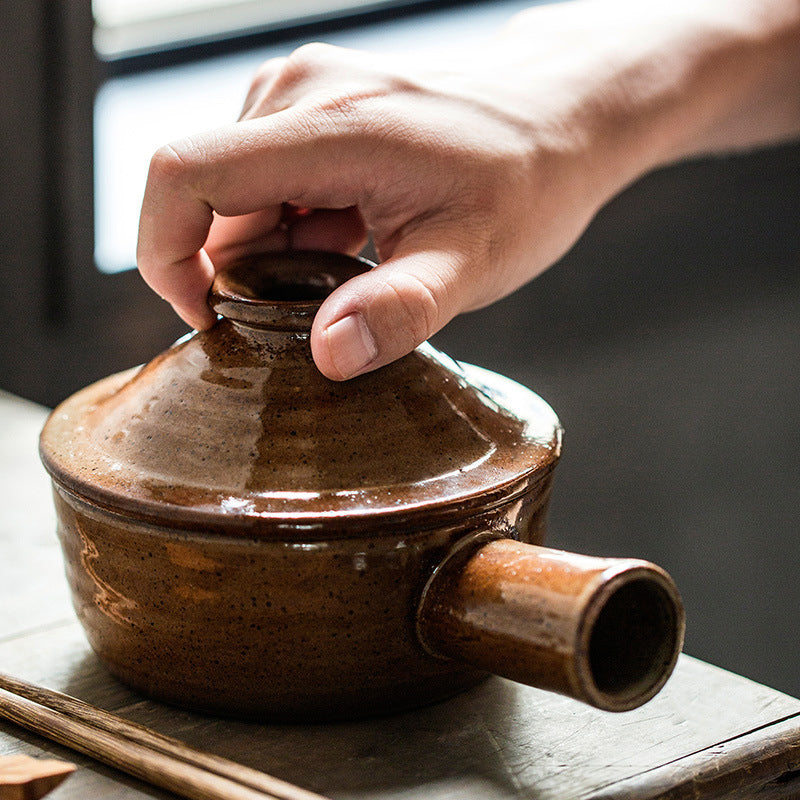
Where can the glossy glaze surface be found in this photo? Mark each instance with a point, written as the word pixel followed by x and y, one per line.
pixel 606 631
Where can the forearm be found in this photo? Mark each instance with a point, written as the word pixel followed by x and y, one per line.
pixel 742 86
pixel 671 80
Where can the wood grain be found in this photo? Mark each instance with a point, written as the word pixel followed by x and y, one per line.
pixel 763 764
pixel 156 760
pixel 26 778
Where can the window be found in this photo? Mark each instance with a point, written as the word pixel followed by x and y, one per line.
pixel 135 114
pixel 124 28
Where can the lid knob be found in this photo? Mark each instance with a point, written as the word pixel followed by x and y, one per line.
pixel 281 291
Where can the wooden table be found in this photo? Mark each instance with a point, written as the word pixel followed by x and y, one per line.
pixel 708 734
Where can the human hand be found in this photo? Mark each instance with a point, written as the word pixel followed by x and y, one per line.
pixel 473 173
pixel 466 191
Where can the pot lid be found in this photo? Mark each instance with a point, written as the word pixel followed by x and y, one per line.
pixel 235 428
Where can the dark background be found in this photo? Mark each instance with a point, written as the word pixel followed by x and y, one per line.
pixel 667 340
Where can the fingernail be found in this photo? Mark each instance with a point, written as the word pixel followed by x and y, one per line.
pixel 351 345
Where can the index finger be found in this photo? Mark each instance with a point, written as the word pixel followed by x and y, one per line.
pixel 236 170
pixel 170 257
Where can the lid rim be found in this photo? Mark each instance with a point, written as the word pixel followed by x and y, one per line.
pixel 435 512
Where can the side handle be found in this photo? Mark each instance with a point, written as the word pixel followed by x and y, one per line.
pixel 605 631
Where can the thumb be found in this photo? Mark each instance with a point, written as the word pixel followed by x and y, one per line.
pixel 381 315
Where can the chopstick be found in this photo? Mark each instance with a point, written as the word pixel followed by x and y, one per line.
pixel 157 759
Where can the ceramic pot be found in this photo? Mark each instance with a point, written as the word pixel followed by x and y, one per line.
pixel 244 536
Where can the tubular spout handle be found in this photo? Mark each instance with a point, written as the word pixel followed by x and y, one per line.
pixel 605 631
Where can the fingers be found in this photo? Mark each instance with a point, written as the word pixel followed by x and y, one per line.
pixel 171 259
pixel 379 153
pixel 340 230
pixel 233 238
pixel 384 314
pixel 194 276
pixel 250 168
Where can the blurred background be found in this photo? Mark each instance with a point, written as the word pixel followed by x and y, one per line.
pixel 668 339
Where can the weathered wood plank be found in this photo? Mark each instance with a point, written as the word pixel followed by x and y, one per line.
pixel 762 764
pixel 500 740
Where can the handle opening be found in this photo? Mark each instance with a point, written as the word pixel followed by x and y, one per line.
pixel 633 636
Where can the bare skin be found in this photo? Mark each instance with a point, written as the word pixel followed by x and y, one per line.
pixel 474 172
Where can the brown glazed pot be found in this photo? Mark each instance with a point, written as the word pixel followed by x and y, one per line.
pixel 244 536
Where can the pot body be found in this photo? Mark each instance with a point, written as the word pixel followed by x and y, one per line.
pixel 282 629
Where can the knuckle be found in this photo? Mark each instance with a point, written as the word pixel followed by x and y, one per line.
pixel 260 98
pixel 420 302
pixel 309 58
pixel 264 77
pixel 267 72
pixel 175 162
pixel 286 79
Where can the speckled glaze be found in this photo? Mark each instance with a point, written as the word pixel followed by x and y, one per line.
pixel 244 536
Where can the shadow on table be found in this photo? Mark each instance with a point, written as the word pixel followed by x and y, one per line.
pixel 460 742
